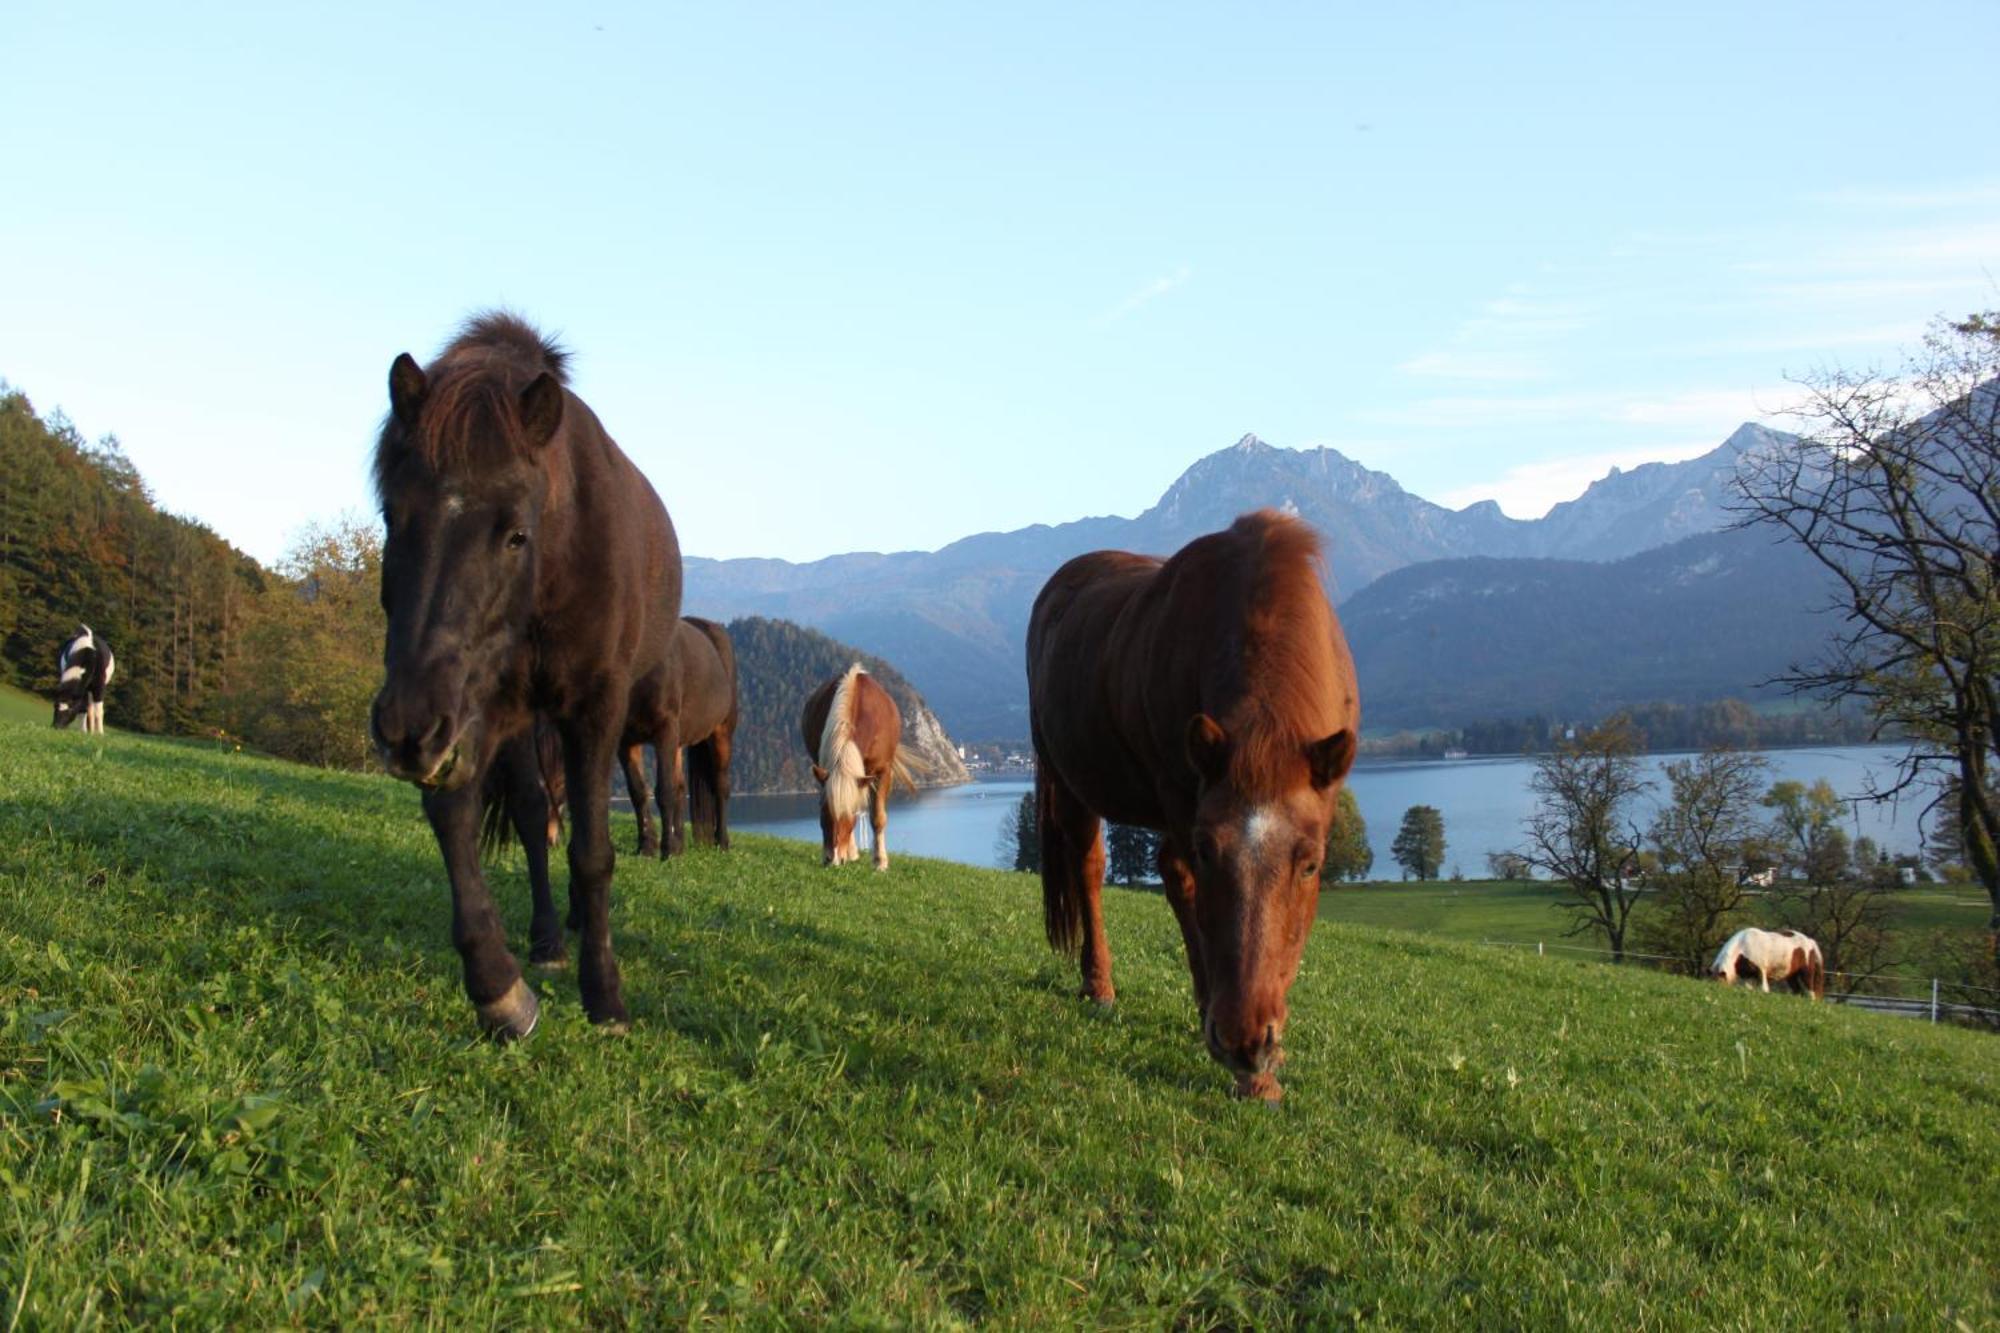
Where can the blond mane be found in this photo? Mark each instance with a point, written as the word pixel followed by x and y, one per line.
pixel 839 755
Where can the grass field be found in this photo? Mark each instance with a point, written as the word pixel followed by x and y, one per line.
pixel 239 1085
pixel 17 705
pixel 1523 912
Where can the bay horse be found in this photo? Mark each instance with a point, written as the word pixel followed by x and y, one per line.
pixel 1208 696
pixel 83 672
pixel 528 567
pixel 704 714
pixel 852 727
pixel 1772 955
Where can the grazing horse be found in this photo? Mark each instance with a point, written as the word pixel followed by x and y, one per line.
pixel 83 671
pixel 851 728
pixel 703 702
pixel 528 567
pixel 1772 955
pixel 1211 697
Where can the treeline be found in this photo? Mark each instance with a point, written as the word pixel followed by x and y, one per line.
pixel 81 541
pixel 1661 726
pixel 778 664
pixel 205 639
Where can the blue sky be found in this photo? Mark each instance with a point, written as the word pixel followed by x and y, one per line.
pixel 856 276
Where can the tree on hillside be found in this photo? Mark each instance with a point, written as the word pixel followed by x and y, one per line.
pixel 1705 839
pixel 1583 831
pixel 1893 487
pixel 1348 855
pixel 1836 893
pixel 312 651
pixel 1419 844
pixel 1130 853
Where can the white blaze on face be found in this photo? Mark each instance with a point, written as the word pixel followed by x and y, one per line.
pixel 1260 826
pixel 454 503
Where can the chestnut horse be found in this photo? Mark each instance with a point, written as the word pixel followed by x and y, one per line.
pixel 1211 697
pixel 1772 955
pixel 528 567
pixel 851 728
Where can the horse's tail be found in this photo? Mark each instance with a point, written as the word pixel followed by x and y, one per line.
pixel 1062 896
pixel 901 770
pixel 704 784
pixel 1816 973
pixel 493 822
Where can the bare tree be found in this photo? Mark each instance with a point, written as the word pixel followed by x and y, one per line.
pixel 1706 836
pixel 1894 487
pixel 1583 833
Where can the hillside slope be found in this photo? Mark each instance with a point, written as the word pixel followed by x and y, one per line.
pixel 1714 616
pixel 239 1086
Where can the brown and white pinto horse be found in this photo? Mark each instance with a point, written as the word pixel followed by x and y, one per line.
pixel 1772 955
pixel 852 727
pixel 1211 697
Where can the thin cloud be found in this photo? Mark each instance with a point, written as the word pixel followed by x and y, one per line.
pixel 1147 294
pixel 1532 489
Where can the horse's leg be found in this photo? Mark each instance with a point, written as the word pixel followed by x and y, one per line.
pixel 633 758
pixel 878 816
pixel 588 747
pixel 506 1007
pixel 720 745
pixel 672 790
pixel 1177 877
pixel 1073 845
pixel 528 810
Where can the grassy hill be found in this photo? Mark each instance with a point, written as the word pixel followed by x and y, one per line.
pixel 238 1084
pixel 17 705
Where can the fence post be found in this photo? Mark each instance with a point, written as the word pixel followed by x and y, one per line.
pixel 1538 949
pixel 1934 982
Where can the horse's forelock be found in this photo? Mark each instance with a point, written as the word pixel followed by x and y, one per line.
pixel 1295 690
pixel 470 415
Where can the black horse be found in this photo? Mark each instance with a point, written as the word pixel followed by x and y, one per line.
pixel 83 672
pixel 528 567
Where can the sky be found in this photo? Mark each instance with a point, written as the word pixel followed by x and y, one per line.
pixel 858 276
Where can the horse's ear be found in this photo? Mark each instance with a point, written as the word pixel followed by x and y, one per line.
pixel 1330 758
pixel 1207 746
pixel 407 387
pixel 541 409
pixel 819 775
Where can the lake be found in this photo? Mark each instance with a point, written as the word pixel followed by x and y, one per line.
pixel 1483 802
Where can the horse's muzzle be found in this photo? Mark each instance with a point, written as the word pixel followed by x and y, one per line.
pixel 421 746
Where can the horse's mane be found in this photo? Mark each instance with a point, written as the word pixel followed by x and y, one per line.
pixel 839 755
pixel 1289 681
pixel 470 412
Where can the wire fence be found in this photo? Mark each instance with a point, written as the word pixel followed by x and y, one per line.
pixel 1934 998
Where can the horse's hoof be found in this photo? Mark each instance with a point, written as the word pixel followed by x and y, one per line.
pixel 513 1016
pixel 558 963
pixel 1259 1088
pixel 615 1027
pixel 1105 1003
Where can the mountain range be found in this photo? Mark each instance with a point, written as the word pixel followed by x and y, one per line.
pixel 954 619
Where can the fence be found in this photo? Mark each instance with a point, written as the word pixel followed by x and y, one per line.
pixel 1936 998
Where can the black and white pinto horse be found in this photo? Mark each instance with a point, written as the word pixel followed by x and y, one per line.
pixel 83 671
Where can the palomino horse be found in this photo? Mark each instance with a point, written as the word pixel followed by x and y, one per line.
pixel 1772 955
pixel 83 672
pixel 528 567
pixel 702 699
pixel 851 728
pixel 1211 697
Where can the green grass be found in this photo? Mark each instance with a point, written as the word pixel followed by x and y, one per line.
pixel 1520 912
pixel 239 1085
pixel 17 705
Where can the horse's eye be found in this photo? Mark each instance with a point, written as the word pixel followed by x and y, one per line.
pixel 1205 850
pixel 516 540
pixel 1308 870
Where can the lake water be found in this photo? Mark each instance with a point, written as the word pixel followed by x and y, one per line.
pixel 1483 802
